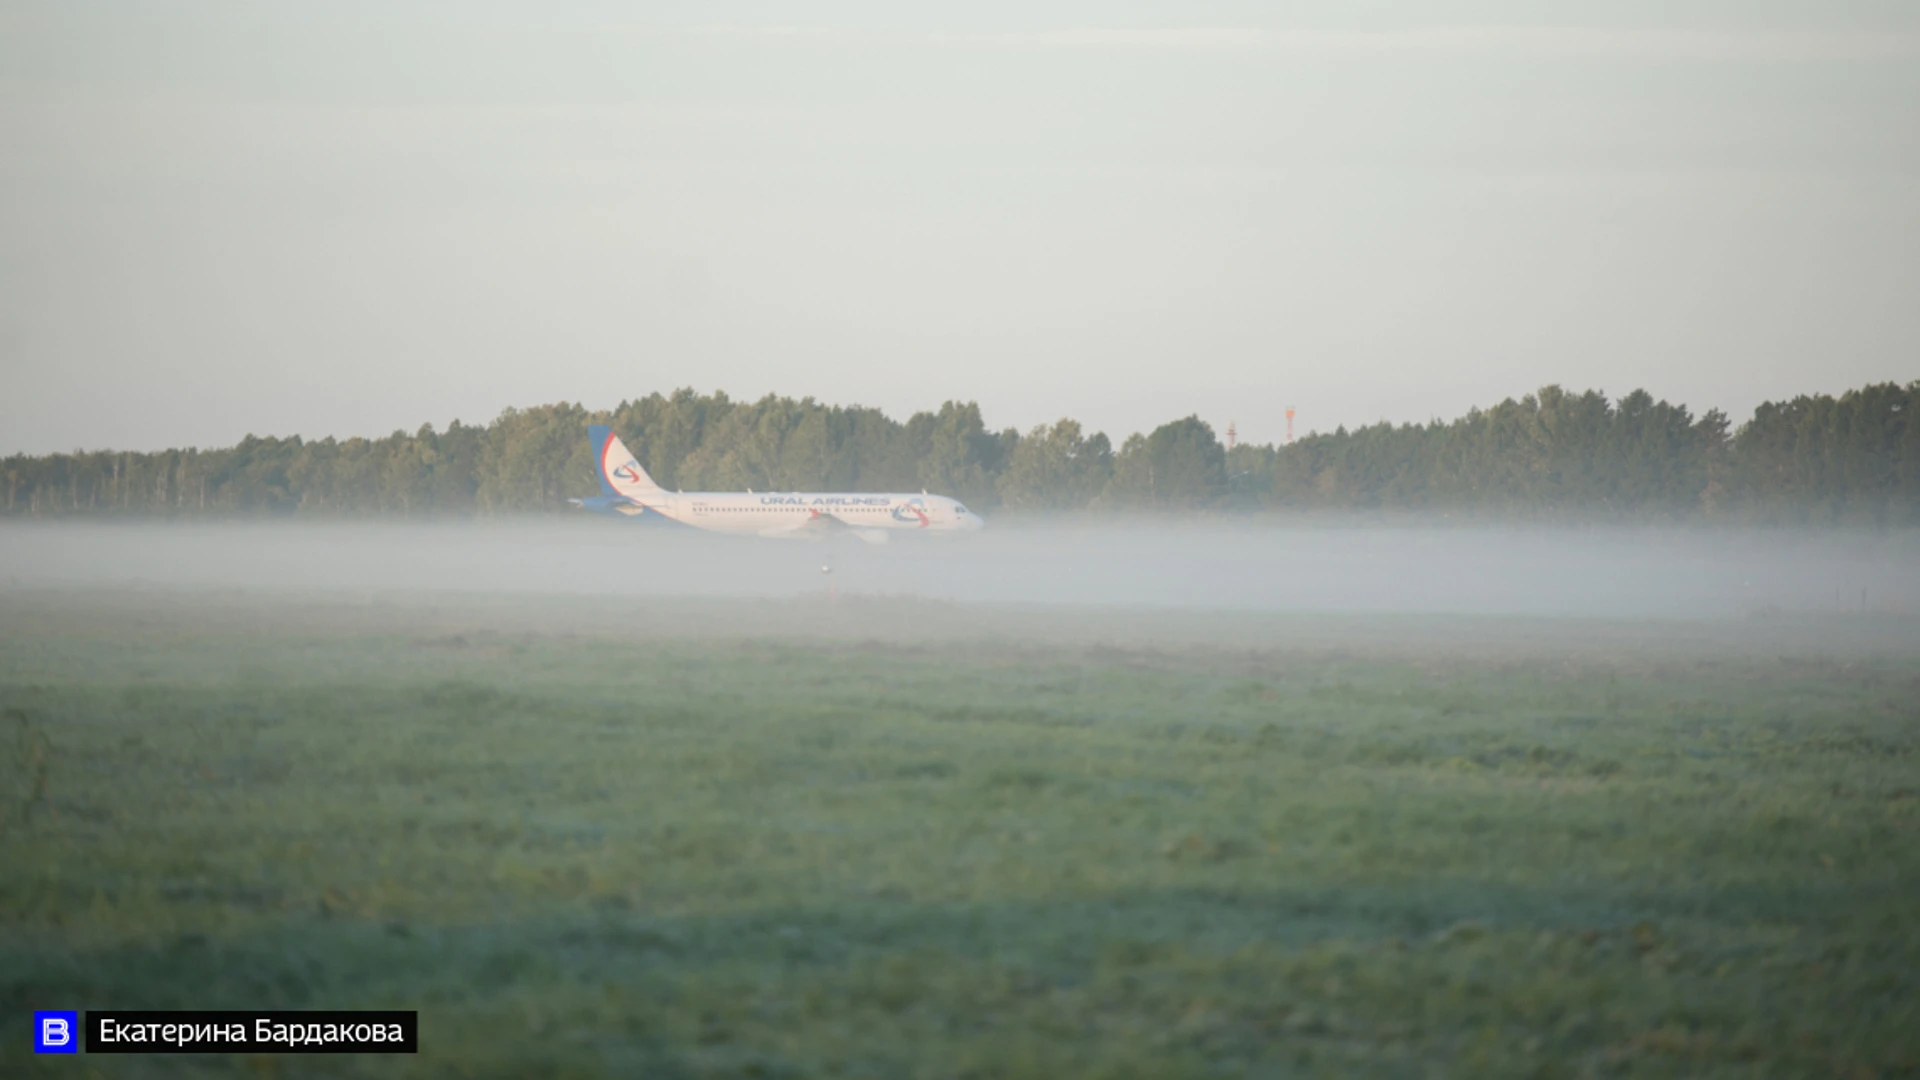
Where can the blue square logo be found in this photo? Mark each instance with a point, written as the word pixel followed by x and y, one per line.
pixel 56 1033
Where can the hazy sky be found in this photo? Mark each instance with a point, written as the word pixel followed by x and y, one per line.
pixel 346 218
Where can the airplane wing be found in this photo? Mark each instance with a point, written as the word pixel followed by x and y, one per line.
pixel 616 504
pixel 819 524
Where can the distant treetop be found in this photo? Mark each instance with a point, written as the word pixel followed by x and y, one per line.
pixel 1552 454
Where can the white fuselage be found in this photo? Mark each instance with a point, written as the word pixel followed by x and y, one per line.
pixel 768 512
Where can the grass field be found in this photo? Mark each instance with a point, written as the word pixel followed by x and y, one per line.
pixel 904 839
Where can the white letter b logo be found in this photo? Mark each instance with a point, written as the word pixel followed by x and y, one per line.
pixel 56 1032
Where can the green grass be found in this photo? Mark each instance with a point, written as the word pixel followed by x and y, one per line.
pixel 895 839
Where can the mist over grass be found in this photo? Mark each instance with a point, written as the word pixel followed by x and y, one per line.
pixel 712 837
pixel 1313 566
pixel 1097 799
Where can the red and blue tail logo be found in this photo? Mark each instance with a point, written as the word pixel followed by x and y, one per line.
pixel 600 435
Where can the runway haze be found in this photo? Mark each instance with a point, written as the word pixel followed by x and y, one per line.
pixel 1327 568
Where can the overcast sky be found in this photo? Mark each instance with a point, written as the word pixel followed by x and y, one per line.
pixel 346 218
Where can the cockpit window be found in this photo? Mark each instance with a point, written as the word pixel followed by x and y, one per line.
pixel 958 509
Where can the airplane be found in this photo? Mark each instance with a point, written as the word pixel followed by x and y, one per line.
pixel 627 491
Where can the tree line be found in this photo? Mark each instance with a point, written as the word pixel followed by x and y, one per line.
pixel 1550 455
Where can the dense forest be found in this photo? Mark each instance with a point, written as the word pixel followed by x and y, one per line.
pixel 1551 455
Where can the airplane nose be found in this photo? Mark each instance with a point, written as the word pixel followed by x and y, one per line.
pixel 973 521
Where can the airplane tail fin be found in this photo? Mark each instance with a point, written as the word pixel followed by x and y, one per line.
pixel 620 473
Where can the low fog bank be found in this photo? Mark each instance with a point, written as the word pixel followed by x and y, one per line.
pixel 1627 573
